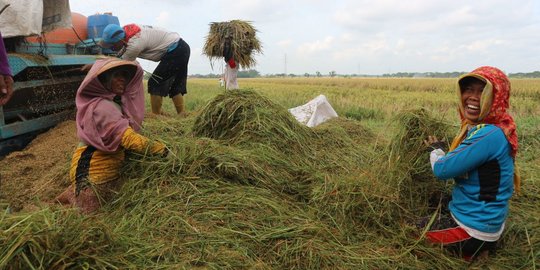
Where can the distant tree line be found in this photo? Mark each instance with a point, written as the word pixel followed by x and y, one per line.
pixel 425 74
pixel 252 73
pixel 241 74
pixel 535 74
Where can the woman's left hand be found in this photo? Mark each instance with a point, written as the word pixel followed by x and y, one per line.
pixel 432 143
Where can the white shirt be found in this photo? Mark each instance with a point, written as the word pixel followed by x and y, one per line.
pixel 151 43
pixel 484 236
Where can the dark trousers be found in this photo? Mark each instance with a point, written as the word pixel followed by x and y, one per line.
pixel 170 76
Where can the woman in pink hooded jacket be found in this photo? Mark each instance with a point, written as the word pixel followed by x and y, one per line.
pixel 110 110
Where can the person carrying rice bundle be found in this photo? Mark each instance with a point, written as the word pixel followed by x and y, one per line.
pixel 231 68
pixel 110 111
pixel 235 41
pixel 481 161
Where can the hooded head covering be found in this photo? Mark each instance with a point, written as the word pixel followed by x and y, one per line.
pixel 100 122
pixel 494 104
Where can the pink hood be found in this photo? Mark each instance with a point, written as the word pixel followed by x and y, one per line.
pixel 100 122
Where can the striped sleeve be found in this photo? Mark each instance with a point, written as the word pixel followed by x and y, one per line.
pixel 474 151
pixel 131 140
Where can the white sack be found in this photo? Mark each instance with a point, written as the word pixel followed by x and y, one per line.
pixel 231 74
pixel 56 14
pixel 315 112
pixel 31 17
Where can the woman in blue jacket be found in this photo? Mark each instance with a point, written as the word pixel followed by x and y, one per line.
pixel 481 162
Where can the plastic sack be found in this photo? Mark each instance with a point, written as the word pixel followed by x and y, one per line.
pixel 231 81
pixel 315 112
pixel 32 17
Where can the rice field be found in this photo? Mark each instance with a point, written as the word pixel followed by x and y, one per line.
pixel 247 187
pixel 386 95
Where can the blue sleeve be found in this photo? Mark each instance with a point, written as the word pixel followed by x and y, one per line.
pixel 474 151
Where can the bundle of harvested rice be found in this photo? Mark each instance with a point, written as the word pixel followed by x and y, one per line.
pixel 418 188
pixel 343 140
pixel 359 200
pixel 390 186
pixel 200 208
pixel 245 117
pixel 259 166
pixel 61 239
pixel 408 143
pixel 239 36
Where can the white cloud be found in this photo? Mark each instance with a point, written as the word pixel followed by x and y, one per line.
pixel 351 36
pixel 256 10
pixel 316 47
pixel 483 45
pixel 401 44
pixel 163 18
pixel 284 43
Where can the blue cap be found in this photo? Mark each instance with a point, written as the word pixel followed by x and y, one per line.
pixel 112 34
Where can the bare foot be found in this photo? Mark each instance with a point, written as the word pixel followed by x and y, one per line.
pixel 67 197
pixel 87 201
pixel 151 115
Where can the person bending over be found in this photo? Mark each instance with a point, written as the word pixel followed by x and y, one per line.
pixel 158 45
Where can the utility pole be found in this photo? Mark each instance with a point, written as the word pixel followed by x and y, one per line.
pixel 285 65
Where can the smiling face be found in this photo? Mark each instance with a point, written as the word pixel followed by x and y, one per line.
pixel 471 92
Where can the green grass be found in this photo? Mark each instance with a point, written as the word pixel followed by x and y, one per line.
pixel 246 187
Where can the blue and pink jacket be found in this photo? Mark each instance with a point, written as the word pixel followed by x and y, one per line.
pixel 483 170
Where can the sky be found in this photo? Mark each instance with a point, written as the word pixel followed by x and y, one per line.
pixel 352 36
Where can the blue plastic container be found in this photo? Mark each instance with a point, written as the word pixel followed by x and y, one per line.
pixel 96 24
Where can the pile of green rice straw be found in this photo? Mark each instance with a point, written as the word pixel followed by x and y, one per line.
pixel 244 42
pixel 245 186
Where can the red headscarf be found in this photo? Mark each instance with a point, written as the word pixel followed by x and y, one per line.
pixel 99 121
pixel 498 91
pixel 130 30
